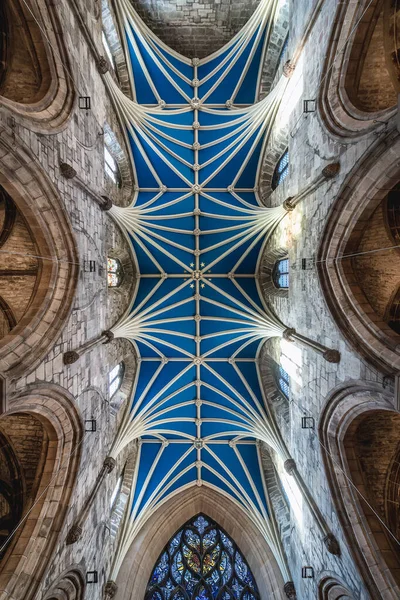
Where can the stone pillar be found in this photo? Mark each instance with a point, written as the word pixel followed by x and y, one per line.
pixel 328 172
pixel 329 354
pixel 289 590
pixel 331 543
pixel 72 356
pixel 104 202
pixel 75 532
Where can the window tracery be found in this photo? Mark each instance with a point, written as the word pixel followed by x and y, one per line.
pixel 115 378
pixel 201 562
pixel 281 273
pixel 281 170
pixel 114 272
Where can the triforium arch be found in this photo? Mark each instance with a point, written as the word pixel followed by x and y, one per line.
pixel 363 193
pixel 331 587
pixel 33 73
pixel 70 585
pixel 360 79
pixel 360 429
pixel 141 557
pixel 56 257
pixel 48 413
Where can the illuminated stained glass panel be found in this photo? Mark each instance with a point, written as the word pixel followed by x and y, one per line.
pixel 201 562
pixel 114 272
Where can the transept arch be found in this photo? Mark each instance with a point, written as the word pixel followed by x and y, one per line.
pixel 143 553
pixel 359 431
pixel 355 212
pixel 56 256
pixel 48 413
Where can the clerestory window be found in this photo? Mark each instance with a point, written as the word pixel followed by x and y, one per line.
pixel 281 170
pixel 107 48
pixel 110 166
pixel 280 274
pixel 283 381
pixel 201 562
pixel 115 378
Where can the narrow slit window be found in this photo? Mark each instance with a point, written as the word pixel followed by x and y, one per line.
pixel 281 170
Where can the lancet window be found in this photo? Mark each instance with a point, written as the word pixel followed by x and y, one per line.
pixel 115 378
pixel 110 166
pixel 284 381
pixel 281 273
pixel 281 170
pixel 201 562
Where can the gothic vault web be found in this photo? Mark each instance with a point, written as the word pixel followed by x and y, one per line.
pixel 197 226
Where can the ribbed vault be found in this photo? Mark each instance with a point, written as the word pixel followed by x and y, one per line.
pixel 197 225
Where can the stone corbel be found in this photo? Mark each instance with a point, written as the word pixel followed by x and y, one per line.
pixel 290 590
pixel 110 589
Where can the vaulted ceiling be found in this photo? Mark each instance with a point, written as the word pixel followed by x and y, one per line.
pixel 198 226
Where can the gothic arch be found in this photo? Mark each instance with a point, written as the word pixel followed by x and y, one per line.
pixel 347 408
pixel 38 202
pixel 331 587
pixel 365 188
pixel 69 585
pixel 339 104
pixel 143 553
pixel 32 545
pixel 34 81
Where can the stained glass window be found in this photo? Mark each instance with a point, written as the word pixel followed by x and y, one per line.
pixel 114 272
pixel 284 382
pixel 281 273
pixel 281 170
pixel 201 562
pixel 115 378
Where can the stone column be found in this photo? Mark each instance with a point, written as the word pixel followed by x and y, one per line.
pixel 329 354
pixel 75 532
pixel 328 172
pixel 72 356
pixel 104 202
pixel 331 543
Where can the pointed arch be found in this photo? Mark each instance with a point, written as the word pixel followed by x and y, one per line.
pixel 150 541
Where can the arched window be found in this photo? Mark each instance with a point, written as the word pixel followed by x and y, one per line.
pixel 115 273
pixel 281 170
pixel 107 48
pixel 115 378
pixel 280 275
pixel 116 492
pixel 201 562
pixel 110 166
pixel 394 313
pixel 283 381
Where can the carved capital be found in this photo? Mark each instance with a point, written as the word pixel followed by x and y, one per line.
pixel 332 356
pixel 287 334
pixel 290 590
pixel 289 465
pixel 109 464
pixel 102 65
pixel 74 535
pixel 67 171
pixel 107 204
pixel 70 357
pixel 332 545
pixel 108 335
pixel 331 170
pixel 110 589
pixel 287 204
pixel 288 69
